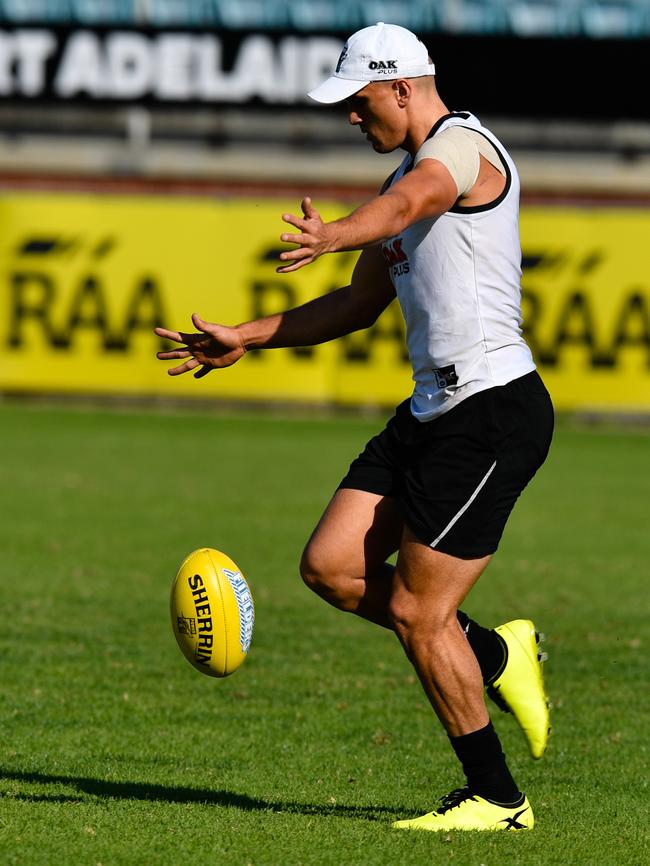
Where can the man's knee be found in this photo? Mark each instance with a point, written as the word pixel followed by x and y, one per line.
pixel 323 576
pixel 312 569
pixel 419 621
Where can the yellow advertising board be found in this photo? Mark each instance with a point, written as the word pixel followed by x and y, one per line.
pixel 86 277
pixel 586 304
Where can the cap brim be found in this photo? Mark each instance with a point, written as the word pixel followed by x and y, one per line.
pixel 336 89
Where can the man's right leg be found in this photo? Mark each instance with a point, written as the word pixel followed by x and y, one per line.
pixel 345 563
pixel 345 559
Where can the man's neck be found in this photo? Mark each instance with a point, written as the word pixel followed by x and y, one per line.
pixel 423 123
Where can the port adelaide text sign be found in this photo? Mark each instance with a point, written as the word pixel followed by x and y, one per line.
pixel 41 63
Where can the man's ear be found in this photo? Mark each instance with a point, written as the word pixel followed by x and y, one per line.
pixel 403 90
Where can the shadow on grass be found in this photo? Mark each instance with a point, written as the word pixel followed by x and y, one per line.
pixel 169 794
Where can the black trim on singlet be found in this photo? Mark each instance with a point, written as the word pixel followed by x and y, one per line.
pixel 386 184
pixel 445 117
pixel 389 179
pixel 479 208
pixel 457 208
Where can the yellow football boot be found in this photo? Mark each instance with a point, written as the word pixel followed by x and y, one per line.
pixel 519 688
pixel 462 810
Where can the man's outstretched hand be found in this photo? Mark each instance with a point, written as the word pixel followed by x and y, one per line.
pixel 312 242
pixel 215 346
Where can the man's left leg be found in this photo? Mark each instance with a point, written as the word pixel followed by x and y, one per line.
pixel 428 588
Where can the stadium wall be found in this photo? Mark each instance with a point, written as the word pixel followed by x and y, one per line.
pixel 86 275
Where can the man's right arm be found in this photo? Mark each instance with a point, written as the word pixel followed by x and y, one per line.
pixel 340 312
pixel 348 309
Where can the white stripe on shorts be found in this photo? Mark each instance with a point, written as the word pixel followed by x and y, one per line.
pixel 462 511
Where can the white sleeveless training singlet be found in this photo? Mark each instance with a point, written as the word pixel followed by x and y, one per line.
pixel 457 278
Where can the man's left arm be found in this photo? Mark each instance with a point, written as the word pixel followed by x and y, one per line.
pixel 427 191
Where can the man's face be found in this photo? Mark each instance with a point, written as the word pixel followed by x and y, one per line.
pixel 376 111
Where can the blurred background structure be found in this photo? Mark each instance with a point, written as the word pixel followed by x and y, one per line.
pixel 147 148
pixel 180 87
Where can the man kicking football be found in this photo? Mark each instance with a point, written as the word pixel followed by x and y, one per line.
pixel 438 483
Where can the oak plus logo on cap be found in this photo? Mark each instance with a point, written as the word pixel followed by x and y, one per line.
pixel 382 65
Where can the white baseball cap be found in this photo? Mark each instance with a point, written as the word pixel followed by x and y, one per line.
pixel 382 52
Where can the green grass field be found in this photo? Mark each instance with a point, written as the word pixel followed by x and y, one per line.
pixel 115 751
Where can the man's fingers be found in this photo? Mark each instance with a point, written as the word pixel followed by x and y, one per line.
pixel 192 364
pixel 309 211
pixel 298 222
pixel 168 335
pixel 173 354
pixel 191 340
pixel 179 336
pixel 293 239
pixel 200 323
pixel 202 372
pixel 300 253
pixel 295 266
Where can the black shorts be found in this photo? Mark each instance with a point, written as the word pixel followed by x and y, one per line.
pixel 456 478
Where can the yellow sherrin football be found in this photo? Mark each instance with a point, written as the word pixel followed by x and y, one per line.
pixel 212 612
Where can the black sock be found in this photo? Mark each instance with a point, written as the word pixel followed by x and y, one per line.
pixel 490 649
pixel 484 765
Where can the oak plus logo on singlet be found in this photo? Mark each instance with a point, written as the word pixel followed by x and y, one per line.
pixel 396 257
